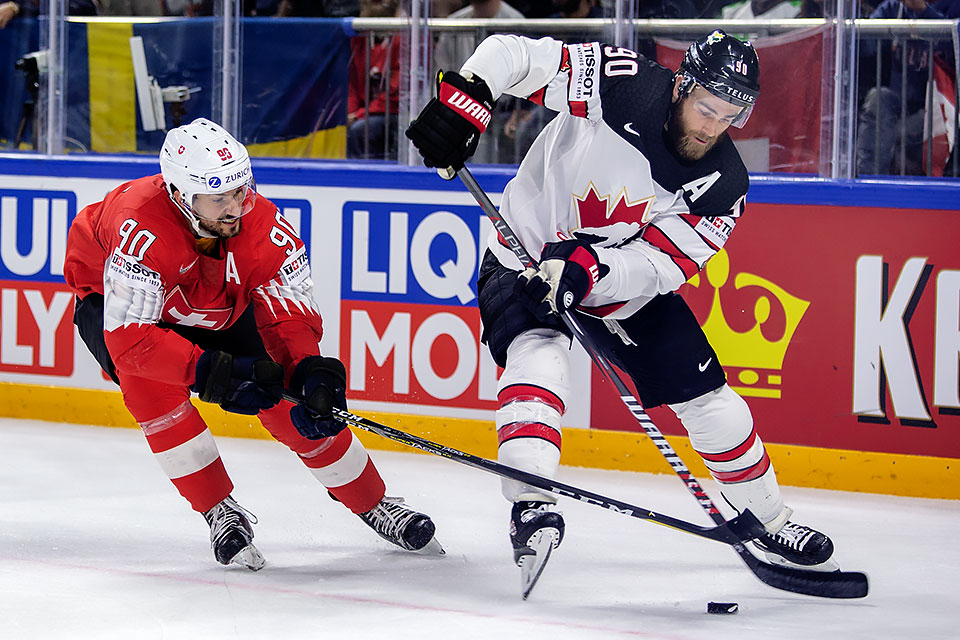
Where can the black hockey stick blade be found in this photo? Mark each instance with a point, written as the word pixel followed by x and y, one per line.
pixel 824 584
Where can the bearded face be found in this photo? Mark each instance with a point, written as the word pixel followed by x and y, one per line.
pixel 219 213
pixel 698 120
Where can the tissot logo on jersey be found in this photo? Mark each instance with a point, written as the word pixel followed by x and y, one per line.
pixel 717 230
pixel 127 270
pixel 295 269
pixel 583 78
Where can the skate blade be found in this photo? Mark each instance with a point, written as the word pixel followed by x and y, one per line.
pixel 250 558
pixel 432 548
pixel 542 543
pixel 828 566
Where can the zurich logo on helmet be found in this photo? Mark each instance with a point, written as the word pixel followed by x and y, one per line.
pixel 214 182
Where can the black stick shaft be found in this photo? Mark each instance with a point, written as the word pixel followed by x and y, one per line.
pixel 747 528
pixel 626 396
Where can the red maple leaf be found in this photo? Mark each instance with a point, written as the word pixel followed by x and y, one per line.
pixel 591 208
pixel 594 210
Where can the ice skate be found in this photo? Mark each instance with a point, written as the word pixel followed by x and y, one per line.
pixel 395 522
pixel 797 546
pixel 536 529
pixel 231 535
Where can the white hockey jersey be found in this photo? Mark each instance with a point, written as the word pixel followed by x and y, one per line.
pixel 602 170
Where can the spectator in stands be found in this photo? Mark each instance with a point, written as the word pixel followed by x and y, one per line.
pixel 370 135
pixel 883 129
pixel 453 49
pixel 577 9
pixel 7 11
pixel 338 8
pixel 188 8
pixel 534 8
pixel 443 8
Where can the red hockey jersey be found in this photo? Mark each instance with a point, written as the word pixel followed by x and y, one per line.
pixel 136 248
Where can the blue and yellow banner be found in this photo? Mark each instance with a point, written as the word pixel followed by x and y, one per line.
pixel 293 79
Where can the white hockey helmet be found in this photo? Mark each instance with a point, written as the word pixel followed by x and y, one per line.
pixel 202 158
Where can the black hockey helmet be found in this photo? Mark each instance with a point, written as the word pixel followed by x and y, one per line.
pixel 726 67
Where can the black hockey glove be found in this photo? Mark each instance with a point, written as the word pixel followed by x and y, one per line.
pixel 239 384
pixel 568 270
pixel 322 382
pixel 448 129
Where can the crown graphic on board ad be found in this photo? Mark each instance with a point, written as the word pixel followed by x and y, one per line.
pixel 753 361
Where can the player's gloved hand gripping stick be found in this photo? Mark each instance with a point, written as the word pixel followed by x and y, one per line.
pixel 567 272
pixel 322 382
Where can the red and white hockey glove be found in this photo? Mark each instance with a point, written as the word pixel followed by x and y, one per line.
pixel 447 131
pixel 568 270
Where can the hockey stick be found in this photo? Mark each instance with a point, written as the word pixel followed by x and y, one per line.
pixel 743 527
pixel 830 585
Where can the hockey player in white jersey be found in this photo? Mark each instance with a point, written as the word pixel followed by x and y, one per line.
pixel 622 197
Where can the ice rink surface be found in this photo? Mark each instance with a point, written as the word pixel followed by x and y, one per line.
pixel 96 543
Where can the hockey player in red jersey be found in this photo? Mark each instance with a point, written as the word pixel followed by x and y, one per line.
pixel 623 196
pixel 190 280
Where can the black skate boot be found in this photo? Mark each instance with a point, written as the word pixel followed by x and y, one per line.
pixel 395 522
pixel 231 535
pixel 536 529
pixel 798 546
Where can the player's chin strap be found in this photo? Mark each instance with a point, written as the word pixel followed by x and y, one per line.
pixel 192 219
pixel 627 397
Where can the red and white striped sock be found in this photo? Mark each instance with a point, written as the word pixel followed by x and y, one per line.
pixel 187 453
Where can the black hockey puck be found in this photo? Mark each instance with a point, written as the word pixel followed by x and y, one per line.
pixel 723 608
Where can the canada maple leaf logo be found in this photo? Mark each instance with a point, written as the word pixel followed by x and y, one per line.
pixel 596 211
